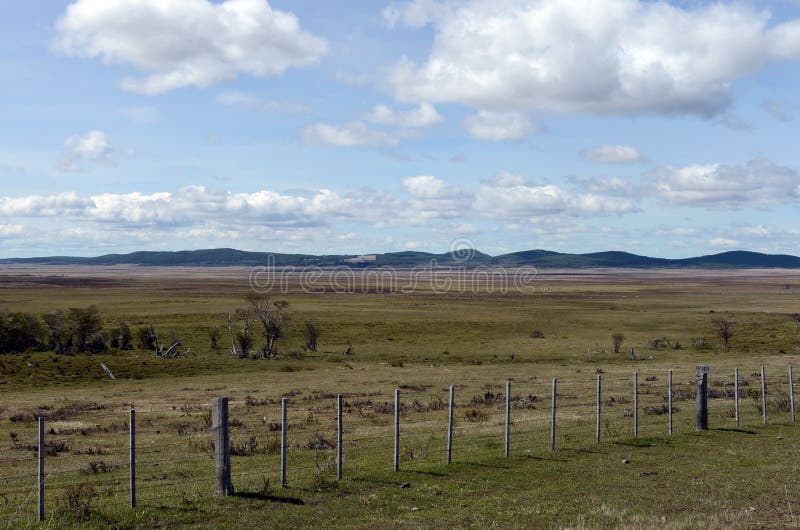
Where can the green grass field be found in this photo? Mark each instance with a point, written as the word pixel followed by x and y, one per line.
pixel 420 342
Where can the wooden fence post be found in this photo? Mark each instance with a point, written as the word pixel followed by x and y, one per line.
pixel 222 445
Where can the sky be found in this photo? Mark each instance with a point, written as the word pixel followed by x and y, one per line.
pixel 661 128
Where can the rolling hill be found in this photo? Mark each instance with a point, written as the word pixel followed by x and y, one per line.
pixel 222 257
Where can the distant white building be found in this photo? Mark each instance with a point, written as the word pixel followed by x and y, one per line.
pixel 361 259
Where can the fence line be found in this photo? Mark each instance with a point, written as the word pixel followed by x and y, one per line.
pixel 484 422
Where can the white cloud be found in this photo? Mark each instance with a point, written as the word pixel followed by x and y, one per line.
pixel 677 232
pixel 532 55
pixel 759 182
pixel 194 204
pixel 253 102
pixel 722 242
pixel 423 116
pixel 10 230
pixel 506 196
pixel 351 134
pixel 497 126
pixel 758 231
pixel 187 42
pixel 94 146
pixel 435 198
pixel 607 185
pixel 612 154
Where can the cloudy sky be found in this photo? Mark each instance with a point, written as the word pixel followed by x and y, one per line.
pixel 661 128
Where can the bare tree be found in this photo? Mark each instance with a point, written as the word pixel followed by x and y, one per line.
pixel 273 319
pixel 725 331
pixel 311 332
pixel 618 338
pixel 241 339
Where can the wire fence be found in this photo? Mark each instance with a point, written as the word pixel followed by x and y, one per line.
pixel 87 460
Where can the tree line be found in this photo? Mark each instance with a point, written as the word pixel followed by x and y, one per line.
pixel 75 330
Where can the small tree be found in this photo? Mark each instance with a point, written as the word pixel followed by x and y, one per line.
pixel 796 319
pixel 147 338
pixel 618 338
pixel 273 319
pixel 84 324
pixel 311 332
pixel 725 331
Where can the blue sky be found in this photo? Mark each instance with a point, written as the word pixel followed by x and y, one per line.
pixel 666 129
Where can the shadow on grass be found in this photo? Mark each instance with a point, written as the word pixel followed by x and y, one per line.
pixel 267 497
pixel 546 458
pixel 642 442
pixel 730 429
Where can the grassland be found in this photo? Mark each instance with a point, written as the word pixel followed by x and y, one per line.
pixel 471 336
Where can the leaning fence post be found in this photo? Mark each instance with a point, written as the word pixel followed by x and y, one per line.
pixel 508 419
pixel 222 445
pixel 284 428
pixel 599 401
pixel 635 404
pixel 41 468
pixel 397 429
pixel 553 416
pixel 450 407
pixel 791 392
pixel 132 459
pixel 338 437
pixel 669 402
pixel 736 394
pixel 701 401
pixel 763 395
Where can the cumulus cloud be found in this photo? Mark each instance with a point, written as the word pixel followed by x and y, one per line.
pixel 758 231
pixel 654 57
pixel 497 126
pixel 607 185
pixel 722 242
pixel 94 146
pixel 187 42
pixel 352 134
pixel 423 116
pixel 434 198
pixel 612 154
pixel 759 182
pixel 10 230
pixel 194 204
pixel 508 196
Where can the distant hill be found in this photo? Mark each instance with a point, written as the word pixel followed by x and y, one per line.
pixel 223 257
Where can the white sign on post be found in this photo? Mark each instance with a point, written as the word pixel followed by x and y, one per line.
pixel 701 370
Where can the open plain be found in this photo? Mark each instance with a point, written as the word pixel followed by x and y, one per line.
pixel 420 336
